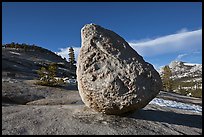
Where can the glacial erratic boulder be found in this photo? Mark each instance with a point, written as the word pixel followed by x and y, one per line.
pixel 112 77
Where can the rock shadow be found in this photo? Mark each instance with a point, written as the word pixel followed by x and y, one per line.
pixel 189 120
pixel 70 87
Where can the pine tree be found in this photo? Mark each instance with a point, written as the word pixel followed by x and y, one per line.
pixel 71 56
pixel 47 76
pixel 52 69
pixel 166 79
pixel 12 45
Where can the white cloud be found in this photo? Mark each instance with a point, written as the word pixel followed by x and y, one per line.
pixel 182 42
pixel 190 57
pixel 140 40
pixel 65 51
pixel 183 30
pixel 196 52
pixel 180 56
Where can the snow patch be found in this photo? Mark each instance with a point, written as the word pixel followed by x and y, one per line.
pixel 191 64
pixel 177 105
pixel 15 53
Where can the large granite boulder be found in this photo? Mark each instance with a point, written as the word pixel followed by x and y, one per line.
pixel 112 77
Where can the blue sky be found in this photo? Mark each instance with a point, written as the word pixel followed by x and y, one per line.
pixel 160 32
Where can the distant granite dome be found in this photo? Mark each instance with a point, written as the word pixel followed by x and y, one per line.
pixel 180 67
pixel 176 64
pixel 186 76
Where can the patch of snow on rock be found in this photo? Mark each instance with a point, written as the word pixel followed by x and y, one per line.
pixel 177 105
pixel 15 53
pixel 190 64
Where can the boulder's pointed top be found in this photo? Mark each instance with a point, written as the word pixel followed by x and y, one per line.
pixel 91 26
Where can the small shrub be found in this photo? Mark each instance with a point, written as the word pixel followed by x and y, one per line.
pixel 47 76
pixel 197 93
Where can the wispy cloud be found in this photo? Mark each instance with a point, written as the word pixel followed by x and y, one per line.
pixel 190 57
pixel 180 56
pixel 183 30
pixel 179 42
pixel 183 41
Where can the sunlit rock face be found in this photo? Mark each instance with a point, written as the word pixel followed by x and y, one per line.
pixel 112 77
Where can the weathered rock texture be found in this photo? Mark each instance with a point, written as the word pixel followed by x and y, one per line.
pixel 112 77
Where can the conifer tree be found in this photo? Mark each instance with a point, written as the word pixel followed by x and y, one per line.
pixel 71 56
pixel 12 45
pixel 47 76
pixel 166 79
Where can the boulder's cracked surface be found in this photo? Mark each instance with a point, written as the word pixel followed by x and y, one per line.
pixel 112 77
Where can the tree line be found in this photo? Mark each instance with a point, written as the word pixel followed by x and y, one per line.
pixel 25 47
pixel 29 47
